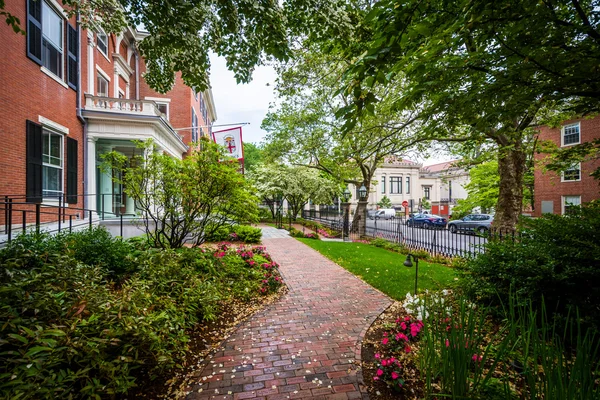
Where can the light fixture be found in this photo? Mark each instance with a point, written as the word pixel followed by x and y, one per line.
pixel 362 192
pixel 346 195
pixel 408 263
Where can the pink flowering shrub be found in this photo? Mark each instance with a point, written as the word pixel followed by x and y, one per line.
pixel 389 370
pixel 324 233
pixel 272 279
pixel 311 236
pixel 406 330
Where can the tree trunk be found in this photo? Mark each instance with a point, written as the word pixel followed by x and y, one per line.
pixel 511 167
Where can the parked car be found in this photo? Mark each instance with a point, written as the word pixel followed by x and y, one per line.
pixel 427 221
pixel 480 223
pixel 371 213
pixel 384 213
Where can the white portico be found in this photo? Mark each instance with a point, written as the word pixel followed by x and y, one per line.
pixel 114 125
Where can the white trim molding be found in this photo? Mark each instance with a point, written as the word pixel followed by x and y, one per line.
pixel 54 126
pixel 562 134
pixel 104 74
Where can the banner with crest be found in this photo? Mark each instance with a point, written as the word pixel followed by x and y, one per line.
pixel 231 139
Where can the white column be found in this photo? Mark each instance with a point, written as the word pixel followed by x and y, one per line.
pixel 91 66
pixel 91 172
pixel 106 198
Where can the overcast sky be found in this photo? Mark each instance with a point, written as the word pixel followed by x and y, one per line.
pixel 244 102
pixel 250 102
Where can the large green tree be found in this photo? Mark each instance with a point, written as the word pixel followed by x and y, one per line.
pixel 481 72
pixel 303 129
pixel 253 156
pixel 295 184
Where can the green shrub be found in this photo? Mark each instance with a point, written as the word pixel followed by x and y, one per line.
pixel 296 233
pixel 554 257
pixel 93 246
pixel 220 234
pixel 67 332
pixel 248 234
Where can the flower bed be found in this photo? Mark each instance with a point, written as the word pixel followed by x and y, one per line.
pixel 441 344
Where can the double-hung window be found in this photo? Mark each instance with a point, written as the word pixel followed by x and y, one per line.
pixel 395 185
pixel 102 42
pixel 102 86
pixel 49 44
pixel 383 184
pixel 570 134
pixel 52 159
pixel 572 174
pixel 408 185
pixel 52 40
pixel 571 203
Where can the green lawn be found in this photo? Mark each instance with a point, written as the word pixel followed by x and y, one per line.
pixel 383 269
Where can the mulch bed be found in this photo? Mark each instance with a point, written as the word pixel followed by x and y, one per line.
pixel 204 339
pixel 414 385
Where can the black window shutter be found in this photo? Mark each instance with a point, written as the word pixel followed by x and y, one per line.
pixel 72 45
pixel 34 30
pixel 71 171
pixel 34 162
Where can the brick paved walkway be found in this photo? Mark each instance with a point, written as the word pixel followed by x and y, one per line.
pixel 306 345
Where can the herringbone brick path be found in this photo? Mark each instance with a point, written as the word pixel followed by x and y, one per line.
pixel 306 345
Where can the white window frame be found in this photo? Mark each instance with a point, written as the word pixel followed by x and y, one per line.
pixel 562 134
pixel 98 76
pixel 45 198
pixel 53 6
pixel 562 175
pixel 100 34
pixel 164 103
pixel 564 202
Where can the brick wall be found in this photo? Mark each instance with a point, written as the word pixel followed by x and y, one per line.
pixel 27 94
pixel 548 185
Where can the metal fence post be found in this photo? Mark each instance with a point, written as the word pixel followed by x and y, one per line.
pixel 59 207
pixel 38 207
pixel 6 214
pixel 9 220
pixel 24 221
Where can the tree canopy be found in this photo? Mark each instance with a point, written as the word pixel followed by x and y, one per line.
pixel 183 33
pixel 480 72
pixel 296 184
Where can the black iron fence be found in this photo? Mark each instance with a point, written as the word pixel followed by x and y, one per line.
pixel 435 240
pixel 55 214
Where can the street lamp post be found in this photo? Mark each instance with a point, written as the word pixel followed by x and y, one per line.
pixel 362 205
pixel 346 206
pixel 408 263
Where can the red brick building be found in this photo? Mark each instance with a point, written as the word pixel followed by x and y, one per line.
pixel 70 95
pixel 557 192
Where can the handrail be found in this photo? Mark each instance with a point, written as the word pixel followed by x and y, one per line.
pixel 63 212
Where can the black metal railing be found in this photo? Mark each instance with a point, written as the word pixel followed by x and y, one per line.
pixel 55 214
pixel 435 240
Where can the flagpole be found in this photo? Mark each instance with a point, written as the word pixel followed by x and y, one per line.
pixel 212 126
